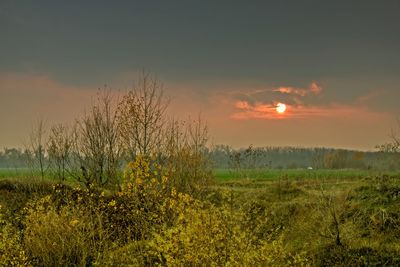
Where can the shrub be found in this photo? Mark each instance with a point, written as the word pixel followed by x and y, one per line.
pixel 204 234
pixel 12 252
pixel 62 236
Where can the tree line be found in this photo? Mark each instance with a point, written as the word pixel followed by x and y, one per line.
pixel 271 157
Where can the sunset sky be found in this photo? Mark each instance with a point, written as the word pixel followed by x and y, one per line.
pixel 334 64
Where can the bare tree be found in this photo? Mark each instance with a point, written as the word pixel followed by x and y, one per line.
pixel 186 154
pixel 391 150
pixel 394 145
pixel 98 145
pixel 329 215
pixel 36 148
pixel 141 116
pixel 59 149
pixel 198 138
pixel 113 147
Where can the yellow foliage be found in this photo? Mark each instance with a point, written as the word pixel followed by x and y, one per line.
pixel 12 252
pixel 148 223
pixel 204 234
pixel 61 237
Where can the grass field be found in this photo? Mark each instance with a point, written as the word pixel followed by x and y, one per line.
pixel 14 172
pixel 222 175
pixel 295 217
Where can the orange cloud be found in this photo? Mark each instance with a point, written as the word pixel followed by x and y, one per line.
pixel 314 88
pixel 255 111
pixel 242 105
pixel 246 111
pixel 291 90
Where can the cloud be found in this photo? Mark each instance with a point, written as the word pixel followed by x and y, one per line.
pixel 267 111
pixel 263 107
pixel 242 105
pixel 291 90
pixel 314 88
pixel 258 110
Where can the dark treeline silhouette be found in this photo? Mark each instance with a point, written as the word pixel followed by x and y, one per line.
pixel 225 156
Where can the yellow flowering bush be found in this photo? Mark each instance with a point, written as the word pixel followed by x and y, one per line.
pixel 12 252
pixel 137 209
pixel 204 234
pixel 64 235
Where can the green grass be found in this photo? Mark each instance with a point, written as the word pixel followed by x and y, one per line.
pixel 228 175
pixel 26 173
pixel 224 175
pixel 14 172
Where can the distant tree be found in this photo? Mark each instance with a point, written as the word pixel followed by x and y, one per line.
pixel 318 158
pixel 220 155
pixel 236 160
pixel 336 159
pixel 11 158
pixel 357 160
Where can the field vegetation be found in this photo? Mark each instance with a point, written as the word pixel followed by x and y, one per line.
pixel 128 186
pixel 241 222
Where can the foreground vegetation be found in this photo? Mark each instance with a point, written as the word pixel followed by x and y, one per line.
pixel 239 222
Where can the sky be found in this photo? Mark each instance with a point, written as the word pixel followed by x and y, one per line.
pixel 334 64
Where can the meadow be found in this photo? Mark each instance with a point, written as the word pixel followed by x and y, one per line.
pixel 14 172
pixel 223 175
pixel 261 217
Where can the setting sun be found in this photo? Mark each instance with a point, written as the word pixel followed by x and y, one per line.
pixel 280 108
